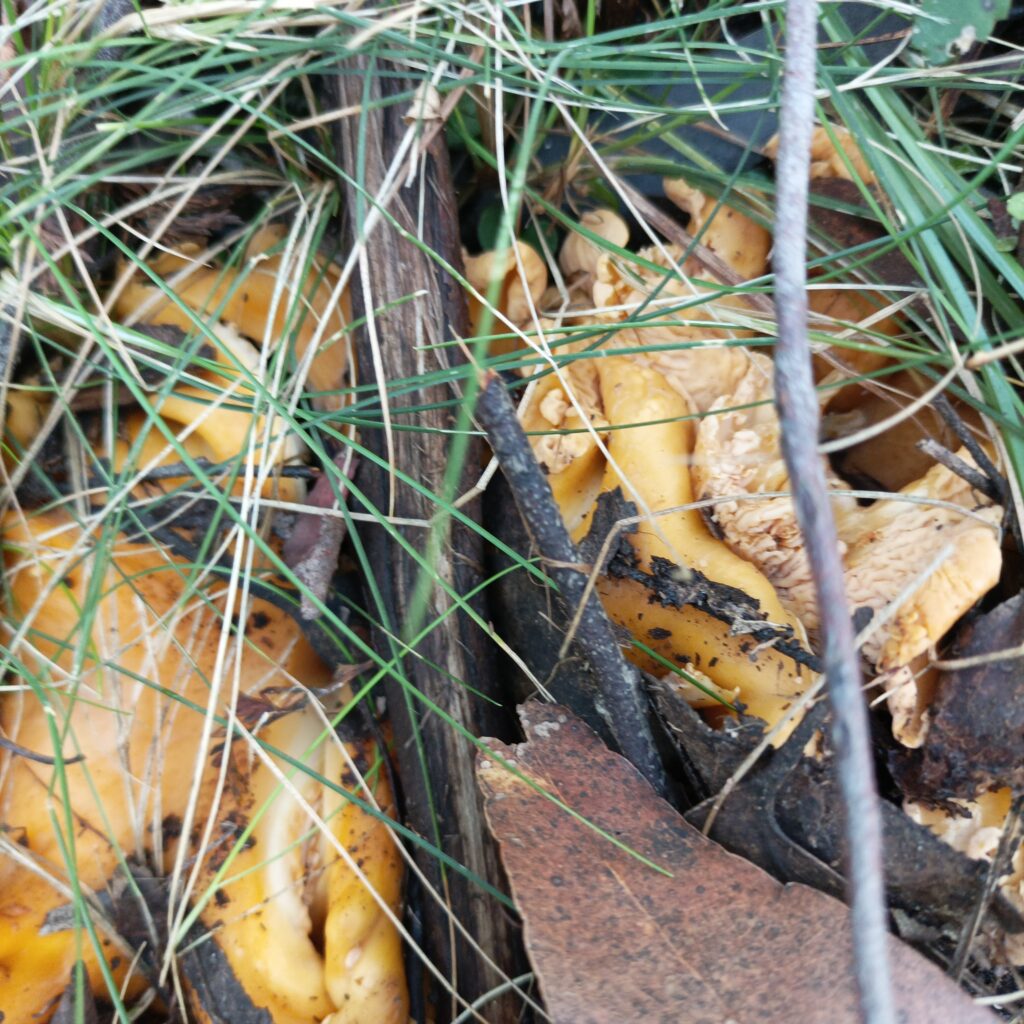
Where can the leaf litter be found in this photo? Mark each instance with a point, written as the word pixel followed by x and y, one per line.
pixel 712 939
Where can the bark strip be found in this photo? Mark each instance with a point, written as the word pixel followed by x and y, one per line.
pixel 441 798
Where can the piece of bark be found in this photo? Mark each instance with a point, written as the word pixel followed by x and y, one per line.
pixel 785 816
pixel 975 738
pixel 436 762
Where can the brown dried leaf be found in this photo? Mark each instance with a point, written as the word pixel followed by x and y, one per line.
pixel 715 939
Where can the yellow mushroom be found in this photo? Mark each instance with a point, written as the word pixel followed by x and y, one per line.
pixel 732 236
pixel 362 948
pixel 976 831
pixel 738 463
pixel 126 642
pixel 103 686
pixel 694 347
pixel 564 438
pixel 244 296
pixel 126 692
pixel 305 927
pixel 829 160
pixel 524 277
pixel 579 254
pixel 886 547
pixel 650 462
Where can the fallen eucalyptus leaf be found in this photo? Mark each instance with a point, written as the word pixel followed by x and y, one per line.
pixel 705 939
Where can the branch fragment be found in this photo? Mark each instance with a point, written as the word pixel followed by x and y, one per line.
pixel 621 700
pixel 799 417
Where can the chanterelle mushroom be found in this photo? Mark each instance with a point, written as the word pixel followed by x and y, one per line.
pixel 738 462
pixel 135 664
pixel 826 159
pixel 731 235
pixel 579 254
pixel 693 331
pixel 524 278
pixel 885 547
pixel 649 453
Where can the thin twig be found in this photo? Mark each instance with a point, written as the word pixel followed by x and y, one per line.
pixel 958 467
pixel 179 469
pixel 799 417
pixel 31 755
pixel 955 422
pixel 620 702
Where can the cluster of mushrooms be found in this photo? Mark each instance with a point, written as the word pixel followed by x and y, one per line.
pixel 171 734
pixel 652 385
pixel 191 726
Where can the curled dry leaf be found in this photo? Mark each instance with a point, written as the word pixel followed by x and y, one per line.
pixel 314 544
pixel 702 936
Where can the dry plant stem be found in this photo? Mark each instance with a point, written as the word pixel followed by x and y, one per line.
pixel 436 762
pixel 798 413
pixel 978 481
pixel 620 699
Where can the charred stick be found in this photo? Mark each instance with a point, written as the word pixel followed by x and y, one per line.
pixel 799 417
pixel 978 480
pixel 955 422
pixel 622 704
pixel 674 587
